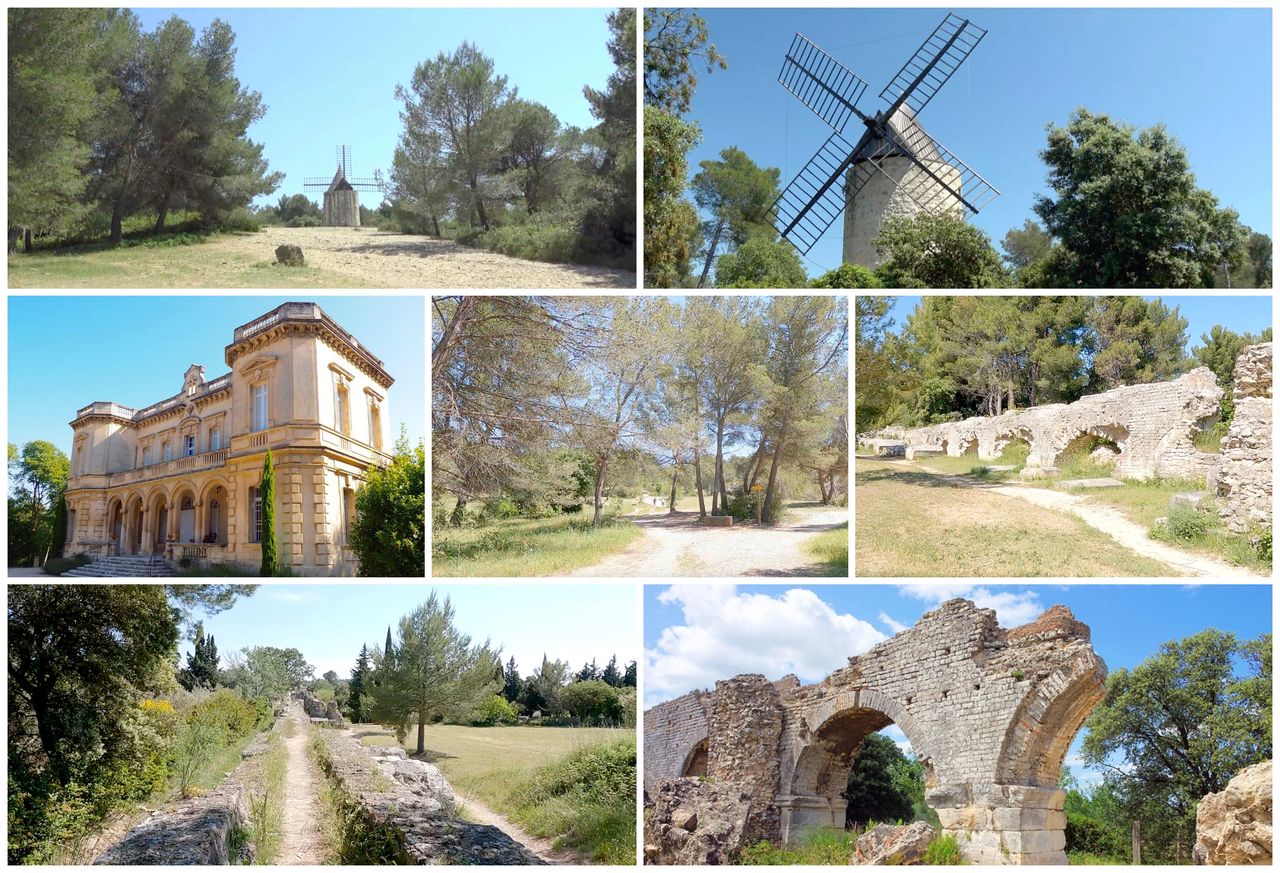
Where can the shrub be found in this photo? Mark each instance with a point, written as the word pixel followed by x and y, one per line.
pixel 1184 523
pixel 199 740
pixel 58 566
pixel 1090 836
pixel 495 711
pixel 229 711
pixel 303 221
pixel 943 851
pixel 240 219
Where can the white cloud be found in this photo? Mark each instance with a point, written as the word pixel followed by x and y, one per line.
pixel 726 633
pixel 284 595
pixel 1012 608
pixel 892 624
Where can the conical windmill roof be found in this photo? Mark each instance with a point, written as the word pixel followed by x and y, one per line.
pixel 339 182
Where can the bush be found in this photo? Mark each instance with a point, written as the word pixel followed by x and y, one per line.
pixel 58 566
pixel 944 851
pixel 1184 524
pixel 495 711
pixel 1090 836
pixel 229 711
pixel 198 741
pixel 303 221
pixel 240 219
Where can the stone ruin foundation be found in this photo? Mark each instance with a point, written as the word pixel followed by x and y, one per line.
pixel 1152 426
pixel 1244 478
pixel 990 713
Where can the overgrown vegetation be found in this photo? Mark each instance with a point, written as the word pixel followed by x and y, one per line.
pixel 388 535
pixel 832 549
pixel 267 800
pixel 830 847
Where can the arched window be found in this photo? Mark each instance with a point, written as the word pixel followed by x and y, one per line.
pixel 186 503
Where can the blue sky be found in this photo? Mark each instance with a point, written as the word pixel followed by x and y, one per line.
pixel 1242 314
pixel 328 76
pixel 66 352
pixel 695 634
pixel 1205 73
pixel 329 623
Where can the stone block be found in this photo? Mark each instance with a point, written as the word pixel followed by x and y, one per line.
pixel 717 521
pixel 923 452
pixel 1103 482
pixel 1194 499
pixel 1037 472
pixel 1034 842
pixel 290 255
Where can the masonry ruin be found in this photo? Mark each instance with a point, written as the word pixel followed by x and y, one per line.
pixel 1151 426
pixel 990 713
pixel 1244 479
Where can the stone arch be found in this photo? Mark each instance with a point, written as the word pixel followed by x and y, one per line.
pixel 158 505
pixel 695 763
pixel 214 499
pixel 832 735
pixel 134 510
pixel 182 521
pixel 1076 438
pixel 1049 718
pixel 115 524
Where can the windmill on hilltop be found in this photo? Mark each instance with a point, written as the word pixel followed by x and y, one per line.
pixel 341 198
pixel 895 168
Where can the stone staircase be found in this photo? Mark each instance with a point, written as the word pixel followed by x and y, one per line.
pixel 125 565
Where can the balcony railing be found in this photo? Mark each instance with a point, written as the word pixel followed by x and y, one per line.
pixel 106 407
pixel 299 312
pixel 205 461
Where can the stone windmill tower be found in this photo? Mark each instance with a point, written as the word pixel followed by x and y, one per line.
pixel 895 168
pixel 341 206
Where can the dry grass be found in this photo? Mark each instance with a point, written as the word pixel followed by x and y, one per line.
pixel 911 522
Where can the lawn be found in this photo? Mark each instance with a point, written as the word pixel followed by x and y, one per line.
pixel 552 781
pixel 527 546
pixel 913 523
pixel 832 549
pixel 198 265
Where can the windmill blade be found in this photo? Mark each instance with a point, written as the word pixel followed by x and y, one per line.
pixel 814 199
pixel 821 82
pixel 945 183
pixel 933 64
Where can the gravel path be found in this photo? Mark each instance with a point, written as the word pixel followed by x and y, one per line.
pixel 544 848
pixel 374 258
pixel 677 545
pixel 301 842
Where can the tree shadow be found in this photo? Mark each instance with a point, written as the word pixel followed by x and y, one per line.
pixel 928 480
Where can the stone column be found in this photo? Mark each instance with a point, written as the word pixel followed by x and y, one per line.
pixel 745 730
pixel 799 813
pixel 1003 824
pixel 200 512
pixel 149 521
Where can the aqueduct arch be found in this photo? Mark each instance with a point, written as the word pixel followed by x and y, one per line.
pixel 990 712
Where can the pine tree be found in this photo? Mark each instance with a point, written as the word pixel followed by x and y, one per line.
pixel 356 701
pixel 511 684
pixel 267 491
pixel 588 672
pixel 610 675
pixel 629 676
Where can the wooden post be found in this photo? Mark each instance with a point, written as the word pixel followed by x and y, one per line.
pixel 1137 842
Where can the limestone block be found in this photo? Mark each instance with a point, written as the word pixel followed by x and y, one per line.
pixel 290 255
pixel 1034 842
pixel 1233 826
pixel 694 822
pixel 1104 482
pixel 894 844
pixel 718 521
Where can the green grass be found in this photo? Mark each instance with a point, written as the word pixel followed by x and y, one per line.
pixel 214 769
pixel 527 547
pixel 831 547
pixel 524 773
pixel 970 464
pixel 913 523
pixel 830 847
pixel 266 803
pixel 1088 859
pixel 207 265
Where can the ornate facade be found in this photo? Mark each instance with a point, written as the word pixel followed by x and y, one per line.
pixel 180 478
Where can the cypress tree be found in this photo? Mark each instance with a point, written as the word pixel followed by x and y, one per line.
pixel 356 700
pixel 267 492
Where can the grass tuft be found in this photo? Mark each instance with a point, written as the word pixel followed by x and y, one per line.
pixel 831 547
pixel 527 547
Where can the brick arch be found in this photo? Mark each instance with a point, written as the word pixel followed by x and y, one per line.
pixel 695 763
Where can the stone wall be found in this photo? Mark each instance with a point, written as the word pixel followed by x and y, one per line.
pixel 674 732
pixel 197 831
pixel 990 712
pixel 412 801
pixel 1244 479
pixel 1233 826
pixel 1151 425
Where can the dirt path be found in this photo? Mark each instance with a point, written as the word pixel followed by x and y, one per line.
pixel 301 842
pixel 677 545
pixel 543 847
pixel 374 258
pixel 1108 520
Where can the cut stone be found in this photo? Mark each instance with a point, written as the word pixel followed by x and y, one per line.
pixel 1104 482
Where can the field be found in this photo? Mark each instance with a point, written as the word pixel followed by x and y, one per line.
pixel 912 523
pixel 527 546
pixel 337 257
pixel 546 779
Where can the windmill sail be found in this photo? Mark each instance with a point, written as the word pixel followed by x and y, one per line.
pixel 813 199
pixel 933 64
pixel 946 180
pixel 821 82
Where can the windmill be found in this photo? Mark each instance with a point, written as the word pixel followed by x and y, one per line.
pixel 895 168
pixel 341 200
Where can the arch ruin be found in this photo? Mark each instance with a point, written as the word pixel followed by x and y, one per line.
pixel 989 711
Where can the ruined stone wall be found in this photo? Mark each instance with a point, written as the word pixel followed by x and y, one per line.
pixel 197 831
pixel 672 732
pixel 1152 425
pixel 1244 479
pixel 990 712
pixel 383 789
pixel 746 718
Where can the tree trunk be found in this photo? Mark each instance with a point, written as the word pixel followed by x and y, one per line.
pixel 459 512
pixel 711 252
pixel 719 483
pixel 480 213
pixel 117 233
pixel 435 222
pixel 749 474
pixel 599 492
pixel 671 507
pixel 443 351
pixel 26 240
pixel 422 723
pixel 773 468
pixel 162 213
pixel 697 477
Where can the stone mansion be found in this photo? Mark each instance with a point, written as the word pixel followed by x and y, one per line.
pixel 180 478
